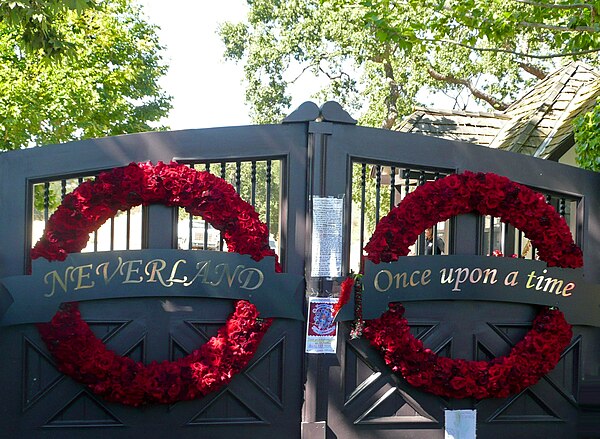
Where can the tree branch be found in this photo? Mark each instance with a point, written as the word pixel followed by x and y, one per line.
pixel 512 52
pixel 558 28
pixel 558 6
pixel 333 77
pixel 392 98
pixel 533 70
pixel 451 79
pixel 303 71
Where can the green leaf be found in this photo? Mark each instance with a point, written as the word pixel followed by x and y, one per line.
pixel 103 82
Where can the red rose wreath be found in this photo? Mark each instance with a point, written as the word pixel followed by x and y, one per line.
pixel 487 194
pixel 82 356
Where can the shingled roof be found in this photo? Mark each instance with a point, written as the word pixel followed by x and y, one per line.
pixel 540 123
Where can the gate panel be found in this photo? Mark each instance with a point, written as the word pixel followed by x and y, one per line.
pixel 40 402
pixel 364 399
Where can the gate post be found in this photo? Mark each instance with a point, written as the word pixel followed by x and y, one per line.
pixel 323 180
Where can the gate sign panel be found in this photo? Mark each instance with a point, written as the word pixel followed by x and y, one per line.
pixel 468 277
pixel 151 273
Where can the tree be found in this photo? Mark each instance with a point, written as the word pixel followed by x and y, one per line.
pixel 384 56
pixel 35 23
pixel 107 85
pixel 587 140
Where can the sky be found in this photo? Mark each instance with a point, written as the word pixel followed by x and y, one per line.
pixel 207 91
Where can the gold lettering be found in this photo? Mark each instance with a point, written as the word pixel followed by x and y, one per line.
pixel 538 285
pixel 174 271
pixel 202 273
pixel 389 281
pixel 459 278
pixel 529 279
pixel 568 287
pixel 226 271
pixel 412 281
pixel 81 276
pixel 57 279
pixel 104 267
pixel 555 283
pixel 400 277
pixel 552 285
pixel 449 278
pixel 131 270
pixel 513 276
pixel 155 270
pixel 490 272
pixel 425 277
pixel 250 274
pixel 479 275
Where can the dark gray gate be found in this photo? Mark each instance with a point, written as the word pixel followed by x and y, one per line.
pixel 284 393
pixel 39 402
pixel 354 394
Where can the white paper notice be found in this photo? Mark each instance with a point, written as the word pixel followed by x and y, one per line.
pixel 321 330
pixel 460 424
pixel 327 234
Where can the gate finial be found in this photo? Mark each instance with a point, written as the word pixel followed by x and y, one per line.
pixel 330 111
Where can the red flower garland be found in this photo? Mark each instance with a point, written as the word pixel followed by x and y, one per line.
pixel 540 349
pixel 82 356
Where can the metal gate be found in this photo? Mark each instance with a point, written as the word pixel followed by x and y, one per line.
pixel 40 402
pixel 354 394
pixel 283 392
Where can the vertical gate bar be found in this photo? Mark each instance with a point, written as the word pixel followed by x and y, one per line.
pixel 95 231
pixel 422 178
pixel 520 243
pixel 46 201
pixel 422 244
pixel 436 177
pixel 128 230
pixel 205 246
pixel 363 189
pixel 434 237
pixel 112 233
pixel 268 195
pixel 63 188
pixel 253 183
pixel 492 230
pixel 223 176
pixel 392 187
pixel 190 224
pixel 406 175
pixel 377 192
pixel 190 230
pixel 238 176
pixel 562 207
pixel 508 239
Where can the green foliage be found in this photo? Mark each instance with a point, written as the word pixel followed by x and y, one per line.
pixel 380 56
pixel 107 86
pixel 587 140
pixel 36 23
